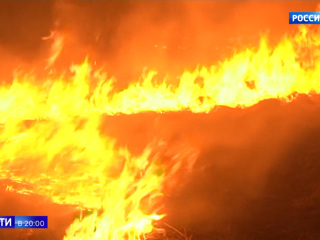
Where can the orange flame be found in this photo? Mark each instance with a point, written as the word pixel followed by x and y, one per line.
pixel 50 133
pixel 56 47
pixel 241 81
pixel 72 163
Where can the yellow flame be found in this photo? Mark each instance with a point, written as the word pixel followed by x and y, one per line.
pixel 72 163
pixel 50 130
pixel 240 81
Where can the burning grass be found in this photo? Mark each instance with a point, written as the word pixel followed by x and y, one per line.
pixel 51 132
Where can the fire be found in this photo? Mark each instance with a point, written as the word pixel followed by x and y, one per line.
pixel 70 162
pixel 51 139
pixel 241 81
pixel 56 47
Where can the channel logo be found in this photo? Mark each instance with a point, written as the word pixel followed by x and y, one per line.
pixel 23 222
pixel 6 222
pixel 304 17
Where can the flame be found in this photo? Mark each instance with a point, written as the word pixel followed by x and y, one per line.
pixel 72 163
pixel 51 139
pixel 56 47
pixel 243 80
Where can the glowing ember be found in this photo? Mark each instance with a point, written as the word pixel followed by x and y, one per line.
pixel 50 132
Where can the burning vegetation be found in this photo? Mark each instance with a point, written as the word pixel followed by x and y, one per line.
pixel 55 141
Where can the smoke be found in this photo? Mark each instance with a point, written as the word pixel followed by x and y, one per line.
pixel 169 36
pixel 127 37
